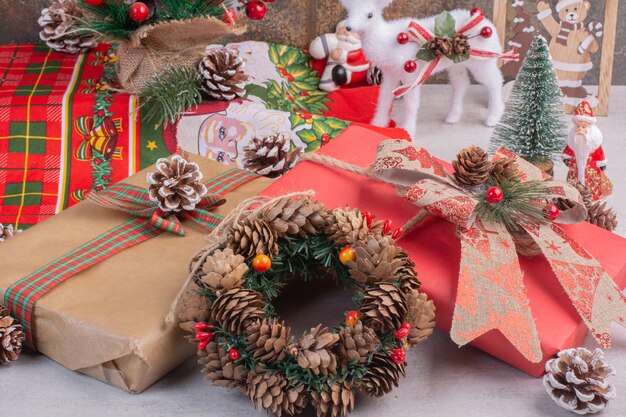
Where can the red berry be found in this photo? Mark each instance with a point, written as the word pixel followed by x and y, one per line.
pixel 398 356
pixel 476 10
pixel 304 94
pixel 406 326
pixel 229 17
pixel 347 254
pixel 368 218
pixel 99 188
pixel 486 32
pixel 402 333
pixel 403 38
pixel 200 327
pixel 262 263
pixel 95 3
pixel 97 161
pixel 552 212
pixel 352 317
pixel 494 195
pixel 325 138
pixel 410 66
pixel 387 226
pixel 397 233
pixel 256 10
pixel 234 355
pixel 106 177
pixel 201 336
pixel 139 12
pixel 202 345
pixel 100 113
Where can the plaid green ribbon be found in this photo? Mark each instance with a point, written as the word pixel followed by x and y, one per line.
pixel 150 222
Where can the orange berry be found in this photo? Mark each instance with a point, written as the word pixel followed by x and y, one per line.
pixel 261 263
pixel 352 317
pixel 347 254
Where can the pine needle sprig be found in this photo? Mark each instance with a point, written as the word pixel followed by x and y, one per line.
pixel 521 204
pixel 109 21
pixel 186 9
pixel 170 94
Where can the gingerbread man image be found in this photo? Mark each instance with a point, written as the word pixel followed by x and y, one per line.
pixel 572 45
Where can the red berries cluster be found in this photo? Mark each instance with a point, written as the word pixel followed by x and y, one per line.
pixel 399 355
pixel 387 226
pixel 204 334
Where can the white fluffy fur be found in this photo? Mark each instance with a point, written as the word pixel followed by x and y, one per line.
pixel 382 49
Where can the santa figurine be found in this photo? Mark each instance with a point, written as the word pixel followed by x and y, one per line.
pixel 346 63
pixel 584 154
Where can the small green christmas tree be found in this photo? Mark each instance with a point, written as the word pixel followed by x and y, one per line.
pixel 532 125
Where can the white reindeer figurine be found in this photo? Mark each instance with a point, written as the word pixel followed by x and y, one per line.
pixel 383 49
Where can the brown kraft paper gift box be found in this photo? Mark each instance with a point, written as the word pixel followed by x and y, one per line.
pixel 108 321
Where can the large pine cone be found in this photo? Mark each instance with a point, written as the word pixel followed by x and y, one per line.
pixel 383 307
pixel 273 392
pixel 220 369
pixel 472 166
pixel 224 270
pixel 505 169
pixel 347 226
pixel 336 400
pixel 11 337
pixel 252 236
pixel 193 308
pixel 176 185
pixel 377 260
pixel 236 309
pixel 270 156
pixel 314 351
pixel 58 28
pixel 7 231
pixel 301 216
pixel 268 340
pixel 223 74
pixel 356 343
pixel 602 216
pixel 421 317
pixel 382 376
pixel 576 380
pixel 407 273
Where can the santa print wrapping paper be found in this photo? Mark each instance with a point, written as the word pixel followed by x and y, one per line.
pixel 436 249
pixel 108 321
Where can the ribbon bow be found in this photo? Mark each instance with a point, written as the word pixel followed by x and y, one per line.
pixel 491 293
pixel 421 35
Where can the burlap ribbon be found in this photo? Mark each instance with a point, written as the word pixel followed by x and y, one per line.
pixel 491 293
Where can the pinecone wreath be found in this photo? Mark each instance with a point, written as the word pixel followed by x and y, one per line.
pixel 374 76
pixel 11 337
pixel 222 74
pixel 7 231
pixel 270 156
pixel 576 380
pixel 176 185
pixel 58 28
pixel 472 166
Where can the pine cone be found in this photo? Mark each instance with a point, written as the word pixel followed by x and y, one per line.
pixel 237 308
pixel 374 76
pixel 272 392
pixel 7 231
pixel 576 380
pixel 505 169
pixel 223 74
pixel 11 337
pixel 220 369
pixel 336 400
pixel 585 192
pixel 406 273
pixel 440 46
pixel 176 185
pixel 472 166
pixel 602 216
pixel 58 28
pixel 224 270
pixel 382 376
pixel 301 216
pixel 270 156
pixel 377 260
pixel 421 317
pixel 525 245
pixel 347 226
pixel 383 307
pixel 460 45
pixel 252 236
pixel 194 308
pixel 356 343
pixel 268 340
pixel 314 351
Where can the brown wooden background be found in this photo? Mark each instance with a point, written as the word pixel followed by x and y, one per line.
pixel 296 22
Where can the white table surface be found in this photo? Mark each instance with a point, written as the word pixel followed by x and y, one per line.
pixel 442 380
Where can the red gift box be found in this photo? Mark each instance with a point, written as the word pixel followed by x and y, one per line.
pixel 436 250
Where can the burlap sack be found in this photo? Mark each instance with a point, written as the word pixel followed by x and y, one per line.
pixel 154 48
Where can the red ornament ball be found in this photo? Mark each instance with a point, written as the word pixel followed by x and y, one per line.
pixel 486 32
pixel 95 3
pixel 234 355
pixel 399 356
pixel 256 10
pixel 139 12
pixel 261 263
pixel 494 195
pixel 477 10
pixel 410 66
pixel 552 212
pixel 403 38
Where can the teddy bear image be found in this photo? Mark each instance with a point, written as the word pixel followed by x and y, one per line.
pixel 572 45
pixel 346 65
